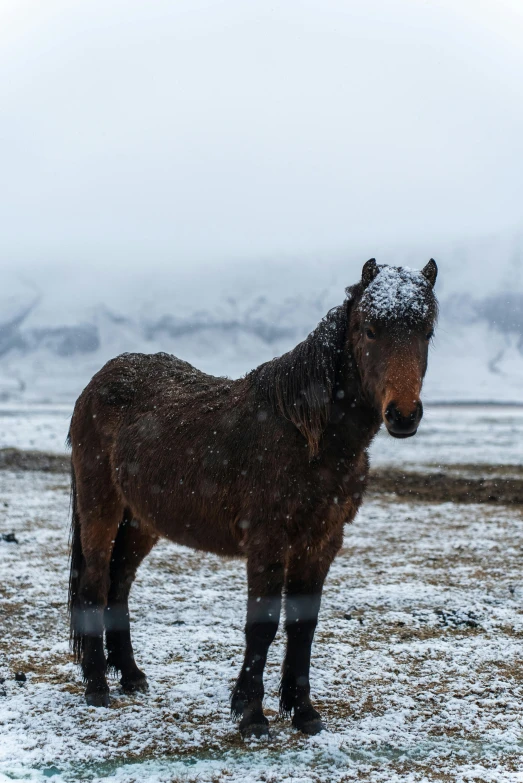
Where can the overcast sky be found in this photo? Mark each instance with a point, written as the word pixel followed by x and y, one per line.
pixel 184 130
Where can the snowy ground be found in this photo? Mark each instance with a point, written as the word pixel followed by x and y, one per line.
pixel 418 659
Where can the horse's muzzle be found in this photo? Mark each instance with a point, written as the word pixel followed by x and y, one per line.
pixel 400 426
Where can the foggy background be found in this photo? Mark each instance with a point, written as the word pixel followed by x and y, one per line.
pixel 205 178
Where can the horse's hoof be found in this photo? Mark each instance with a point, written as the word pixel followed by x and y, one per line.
pixel 257 730
pixel 138 685
pixel 310 727
pixel 308 721
pixel 97 699
pixel 254 723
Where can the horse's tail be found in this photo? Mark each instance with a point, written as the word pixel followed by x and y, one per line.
pixel 77 567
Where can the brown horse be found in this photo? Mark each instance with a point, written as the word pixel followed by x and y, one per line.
pixel 269 467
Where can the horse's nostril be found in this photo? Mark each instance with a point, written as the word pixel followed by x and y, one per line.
pixel 398 421
pixel 391 414
pixel 417 413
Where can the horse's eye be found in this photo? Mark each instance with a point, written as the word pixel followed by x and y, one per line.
pixel 430 334
pixel 370 334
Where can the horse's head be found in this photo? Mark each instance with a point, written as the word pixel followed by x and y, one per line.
pixel 392 323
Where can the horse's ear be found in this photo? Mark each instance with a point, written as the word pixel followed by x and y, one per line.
pixel 369 272
pixel 430 271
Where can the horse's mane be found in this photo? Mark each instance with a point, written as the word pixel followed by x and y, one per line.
pixel 301 384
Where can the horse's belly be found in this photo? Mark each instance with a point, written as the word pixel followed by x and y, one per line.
pixel 170 501
pixel 202 534
pixel 167 513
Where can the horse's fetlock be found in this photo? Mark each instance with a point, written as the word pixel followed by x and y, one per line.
pixel 238 705
pixel 287 701
pixel 112 666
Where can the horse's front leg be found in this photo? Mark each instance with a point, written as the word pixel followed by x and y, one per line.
pixel 265 575
pixel 303 588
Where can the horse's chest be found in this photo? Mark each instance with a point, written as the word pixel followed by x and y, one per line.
pixel 332 497
pixel 341 480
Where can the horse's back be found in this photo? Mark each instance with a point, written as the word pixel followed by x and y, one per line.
pixel 134 383
pixel 133 388
pixel 131 377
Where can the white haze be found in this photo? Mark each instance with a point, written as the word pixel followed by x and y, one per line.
pixel 181 131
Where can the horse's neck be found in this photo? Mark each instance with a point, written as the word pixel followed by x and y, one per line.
pixel 353 418
pixel 300 384
pixel 317 357
pixel 317 386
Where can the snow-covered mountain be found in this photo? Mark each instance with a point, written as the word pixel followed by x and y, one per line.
pixel 58 326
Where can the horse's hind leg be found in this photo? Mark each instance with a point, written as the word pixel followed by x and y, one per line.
pixel 132 545
pixel 98 512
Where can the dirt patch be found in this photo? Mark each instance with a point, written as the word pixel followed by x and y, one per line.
pixel 450 486
pixel 21 460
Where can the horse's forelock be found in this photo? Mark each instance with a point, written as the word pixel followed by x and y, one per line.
pixel 398 295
